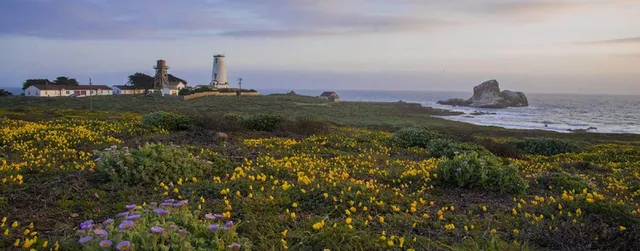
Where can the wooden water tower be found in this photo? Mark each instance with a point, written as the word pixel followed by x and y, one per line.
pixel 162 76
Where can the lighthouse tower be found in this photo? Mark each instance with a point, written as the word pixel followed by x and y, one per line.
pixel 219 72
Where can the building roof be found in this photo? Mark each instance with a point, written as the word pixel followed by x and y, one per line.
pixel 72 87
pixel 328 94
pixel 128 87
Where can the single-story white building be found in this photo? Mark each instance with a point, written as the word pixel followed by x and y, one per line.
pixel 173 88
pixel 67 90
pixel 127 89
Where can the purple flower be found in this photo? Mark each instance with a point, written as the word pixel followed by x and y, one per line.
pixel 157 230
pixel 214 227
pixel 213 216
pixel 170 200
pixel 107 221
pixel 133 217
pixel 171 184
pixel 85 240
pixel 105 243
pixel 100 232
pixel 166 204
pixel 126 225
pixel 160 211
pixel 180 203
pixel 123 214
pixel 86 225
pixel 130 207
pixel 123 245
pixel 173 226
pixel 182 231
pixel 228 224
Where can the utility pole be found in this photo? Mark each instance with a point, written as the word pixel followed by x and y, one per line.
pixel 240 84
pixel 90 100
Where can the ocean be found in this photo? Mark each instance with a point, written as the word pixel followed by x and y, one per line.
pixel 559 112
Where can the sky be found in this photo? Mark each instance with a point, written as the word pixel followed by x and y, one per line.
pixel 541 46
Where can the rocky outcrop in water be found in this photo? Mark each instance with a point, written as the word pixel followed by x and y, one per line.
pixel 488 95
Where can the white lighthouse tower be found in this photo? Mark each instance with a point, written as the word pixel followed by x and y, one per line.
pixel 219 72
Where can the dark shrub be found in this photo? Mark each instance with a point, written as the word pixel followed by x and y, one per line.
pixel 166 120
pixel 502 149
pixel 215 122
pixel 448 148
pixel 264 122
pixel 185 91
pixel 305 126
pixel 547 146
pixel 414 137
pixel 150 165
pixel 470 170
pixel 563 182
pixel 200 89
pixel 232 117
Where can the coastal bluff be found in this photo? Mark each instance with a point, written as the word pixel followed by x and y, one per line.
pixel 488 95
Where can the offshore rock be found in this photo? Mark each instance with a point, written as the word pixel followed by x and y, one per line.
pixel 488 95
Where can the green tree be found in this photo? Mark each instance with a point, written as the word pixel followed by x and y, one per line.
pixel 62 80
pixel 30 82
pixel 176 79
pixel 5 93
pixel 141 80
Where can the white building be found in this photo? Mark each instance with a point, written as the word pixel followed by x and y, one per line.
pixel 127 89
pixel 219 72
pixel 67 90
pixel 172 88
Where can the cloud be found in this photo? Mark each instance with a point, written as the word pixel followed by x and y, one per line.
pixel 151 19
pixel 627 40
pixel 169 19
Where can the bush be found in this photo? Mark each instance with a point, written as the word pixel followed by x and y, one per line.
pixel 547 146
pixel 166 120
pixel 150 164
pixel 185 91
pixel 502 149
pixel 447 148
pixel 200 89
pixel 414 137
pixel 305 126
pixel 470 170
pixel 564 182
pixel 232 117
pixel 264 122
pixel 169 225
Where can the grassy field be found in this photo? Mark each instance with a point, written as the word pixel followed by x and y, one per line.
pixel 336 176
pixel 383 116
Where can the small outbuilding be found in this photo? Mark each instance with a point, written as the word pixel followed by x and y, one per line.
pixel 331 96
pixel 127 89
pixel 67 90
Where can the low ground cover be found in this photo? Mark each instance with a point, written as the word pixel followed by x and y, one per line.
pixel 305 185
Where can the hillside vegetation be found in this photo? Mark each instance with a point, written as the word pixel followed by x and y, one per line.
pixel 267 173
